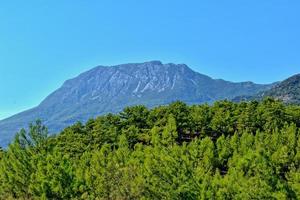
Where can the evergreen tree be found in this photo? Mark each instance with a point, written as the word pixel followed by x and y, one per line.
pixel 248 150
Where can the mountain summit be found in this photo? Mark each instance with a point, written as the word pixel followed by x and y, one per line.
pixel 109 89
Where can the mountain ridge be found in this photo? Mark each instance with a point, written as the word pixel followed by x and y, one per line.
pixel 288 90
pixel 109 89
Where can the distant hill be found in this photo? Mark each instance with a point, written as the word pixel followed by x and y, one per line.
pixel 288 91
pixel 109 89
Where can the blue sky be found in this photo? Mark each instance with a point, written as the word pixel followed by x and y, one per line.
pixel 43 43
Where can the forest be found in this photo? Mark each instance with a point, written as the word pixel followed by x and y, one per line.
pixel 247 150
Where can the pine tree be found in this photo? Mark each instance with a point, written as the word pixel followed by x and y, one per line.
pixel 247 150
pixel 169 134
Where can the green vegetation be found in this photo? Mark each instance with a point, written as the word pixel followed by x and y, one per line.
pixel 224 151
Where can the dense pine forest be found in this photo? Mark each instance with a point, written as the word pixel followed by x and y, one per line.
pixel 248 150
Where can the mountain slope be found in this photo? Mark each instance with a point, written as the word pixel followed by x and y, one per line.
pixel 110 89
pixel 288 91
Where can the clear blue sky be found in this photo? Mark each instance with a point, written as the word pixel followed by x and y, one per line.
pixel 43 43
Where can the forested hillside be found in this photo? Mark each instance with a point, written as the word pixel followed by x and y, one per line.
pixel 223 151
pixel 287 91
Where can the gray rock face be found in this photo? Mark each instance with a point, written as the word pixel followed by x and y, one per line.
pixel 110 89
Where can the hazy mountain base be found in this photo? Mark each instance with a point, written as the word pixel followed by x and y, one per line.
pixel 110 89
pixel 224 151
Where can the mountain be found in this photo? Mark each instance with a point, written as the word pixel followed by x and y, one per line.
pixel 288 91
pixel 109 89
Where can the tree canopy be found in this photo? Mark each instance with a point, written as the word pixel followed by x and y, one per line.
pixel 248 150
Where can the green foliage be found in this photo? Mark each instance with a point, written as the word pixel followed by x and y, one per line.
pixel 1 153
pixel 223 151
